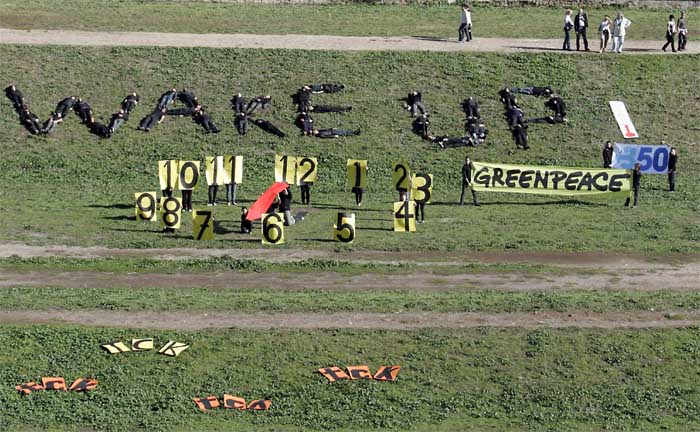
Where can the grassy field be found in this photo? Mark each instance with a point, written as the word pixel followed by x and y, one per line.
pixel 478 379
pixel 349 20
pixel 72 188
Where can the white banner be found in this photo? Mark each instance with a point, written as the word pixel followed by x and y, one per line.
pixel 653 159
pixel 623 119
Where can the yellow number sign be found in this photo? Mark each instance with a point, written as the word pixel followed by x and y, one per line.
pixel 167 174
pixel 170 211
pixel 285 169
pixel 401 175
pixel 306 170
pixel 189 175
pixel 202 225
pixel 215 170
pixel 404 216
pixel 233 169
pixel 272 228
pixel 344 229
pixel 146 206
pixel 357 173
pixel 422 188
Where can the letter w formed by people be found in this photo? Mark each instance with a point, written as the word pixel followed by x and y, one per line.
pixel 547 180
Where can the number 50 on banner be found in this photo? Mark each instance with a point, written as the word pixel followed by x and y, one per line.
pixel 652 159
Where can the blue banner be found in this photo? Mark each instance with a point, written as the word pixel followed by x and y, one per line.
pixel 653 159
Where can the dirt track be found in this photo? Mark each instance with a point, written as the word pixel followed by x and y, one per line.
pixel 307 42
pixel 185 320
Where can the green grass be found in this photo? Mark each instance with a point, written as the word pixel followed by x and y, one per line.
pixel 479 379
pixel 72 188
pixel 240 299
pixel 350 20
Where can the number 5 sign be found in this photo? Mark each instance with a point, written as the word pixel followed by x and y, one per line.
pixel 652 159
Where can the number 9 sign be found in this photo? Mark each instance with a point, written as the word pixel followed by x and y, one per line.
pixel 272 228
pixel 146 206
pixel 344 229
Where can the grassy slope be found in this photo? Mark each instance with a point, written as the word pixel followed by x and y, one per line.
pixel 479 378
pixel 98 178
pixel 351 20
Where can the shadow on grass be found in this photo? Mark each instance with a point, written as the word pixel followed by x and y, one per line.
pixel 316 240
pixel 112 206
pixel 431 38
pixel 123 217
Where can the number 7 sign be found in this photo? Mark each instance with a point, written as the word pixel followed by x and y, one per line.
pixel 623 119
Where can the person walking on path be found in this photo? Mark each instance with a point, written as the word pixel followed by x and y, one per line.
pixel 465 26
pixel 670 34
pixel 580 26
pixel 620 26
pixel 682 32
pixel 568 25
pixel 604 32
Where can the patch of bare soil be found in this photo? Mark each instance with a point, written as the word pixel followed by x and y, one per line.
pixel 189 320
pixel 306 42
pixel 681 278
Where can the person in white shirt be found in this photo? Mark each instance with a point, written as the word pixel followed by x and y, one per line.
pixel 604 32
pixel 568 25
pixel 670 34
pixel 465 26
pixel 620 26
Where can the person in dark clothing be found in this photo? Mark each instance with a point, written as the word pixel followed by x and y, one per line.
pixel 306 123
pixel 471 108
pixel 246 225
pixel 51 124
pixel 607 154
pixel 260 102
pixel 302 99
pixel 151 120
pixel 670 34
pixel 421 125
pixel 231 193
pixel 202 118
pixel 477 131
pixel 547 119
pixel 324 88
pixel 330 108
pixel 83 111
pixel 168 193
pixel 636 181
pixel 238 104
pixel 65 105
pixel 15 96
pixel 414 104
pixel 187 98
pixel 467 181
pixel 515 117
pixel 269 127
pixel 116 121
pixel 334 133
pixel 211 194
pixel 180 112
pixel 580 26
pixel 30 121
pixel 286 206
pixel 508 98
pixel 672 169
pixel 129 104
pixel 99 129
pixel 305 189
pixel 520 136
pixel 556 104
pixel 166 99
pixel 240 121
pixel 446 141
pixel 187 200
pixel 534 91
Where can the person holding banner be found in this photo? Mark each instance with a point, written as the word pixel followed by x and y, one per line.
pixel 467 181
pixel 636 181
pixel 672 161
pixel 607 154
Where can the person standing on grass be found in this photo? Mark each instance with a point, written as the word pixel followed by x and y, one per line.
pixel 465 26
pixel 636 180
pixel 580 26
pixel 620 26
pixel 568 25
pixel 672 163
pixel 607 154
pixel 467 181
pixel 682 32
pixel 670 34
pixel 604 32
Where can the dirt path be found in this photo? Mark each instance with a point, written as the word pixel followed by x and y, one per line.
pixel 308 42
pixel 682 278
pixel 598 260
pixel 385 321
